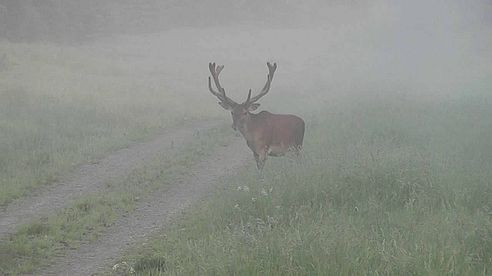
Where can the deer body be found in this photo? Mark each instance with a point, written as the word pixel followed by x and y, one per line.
pixel 275 133
pixel 265 133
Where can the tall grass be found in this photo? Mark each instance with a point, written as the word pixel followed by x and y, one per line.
pixel 63 106
pixel 34 245
pixel 388 185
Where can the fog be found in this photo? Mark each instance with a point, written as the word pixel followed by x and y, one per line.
pixel 108 132
pixel 334 46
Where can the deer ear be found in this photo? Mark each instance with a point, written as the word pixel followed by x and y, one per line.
pixel 253 107
pixel 225 106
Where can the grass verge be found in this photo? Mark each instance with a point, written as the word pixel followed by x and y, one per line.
pixel 34 244
pixel 389 185
pixel 65 106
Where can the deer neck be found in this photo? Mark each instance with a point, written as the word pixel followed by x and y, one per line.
pixel 246 127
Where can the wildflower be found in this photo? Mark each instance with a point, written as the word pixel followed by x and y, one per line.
pixel 253 199
pixel 271 220
pixel 123 267
pixel 263 192
pixel 243 188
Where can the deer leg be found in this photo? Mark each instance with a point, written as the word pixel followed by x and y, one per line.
pixel 257 158
pixel 262 155
pixel 259 166
pixel 260 161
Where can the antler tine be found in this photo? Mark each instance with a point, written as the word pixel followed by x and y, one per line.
pixel 266 88
pixel 215 93
pixel 215 71
pixel 219 69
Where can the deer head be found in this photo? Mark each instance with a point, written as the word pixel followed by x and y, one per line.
pixel 240 112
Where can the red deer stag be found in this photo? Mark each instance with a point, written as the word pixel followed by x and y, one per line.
pixel 265 133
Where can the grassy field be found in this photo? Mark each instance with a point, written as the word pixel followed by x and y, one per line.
pixel 62 106
pixel 390 184
pixel 35 244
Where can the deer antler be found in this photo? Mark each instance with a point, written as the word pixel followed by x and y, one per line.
pixel 215 71
pixel 266 88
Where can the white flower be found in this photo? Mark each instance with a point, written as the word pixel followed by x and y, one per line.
pixel 253 199
pixel 243 188
pixel 123 267
pixel 263 192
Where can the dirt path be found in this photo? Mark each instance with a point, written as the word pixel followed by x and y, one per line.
pixel 153 214
pixel 92 178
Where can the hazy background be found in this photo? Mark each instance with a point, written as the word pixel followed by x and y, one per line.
pixel 396 95
pixel 346 43
pixel 122 70
pixel 123 67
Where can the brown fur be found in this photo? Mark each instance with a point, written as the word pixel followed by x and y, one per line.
pixel 272 134
pixel 265 133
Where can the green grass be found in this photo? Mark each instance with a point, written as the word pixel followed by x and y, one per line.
pixel 389 185
pixel 34 244
pixel 64 106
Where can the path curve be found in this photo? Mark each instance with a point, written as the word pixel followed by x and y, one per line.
pixel 91 178
pixel 152 214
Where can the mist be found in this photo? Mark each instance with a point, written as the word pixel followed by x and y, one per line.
pixel 115 158
pixel 437 45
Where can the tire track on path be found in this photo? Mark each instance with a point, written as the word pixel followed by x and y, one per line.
pixel 152 214
pixel 91 178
